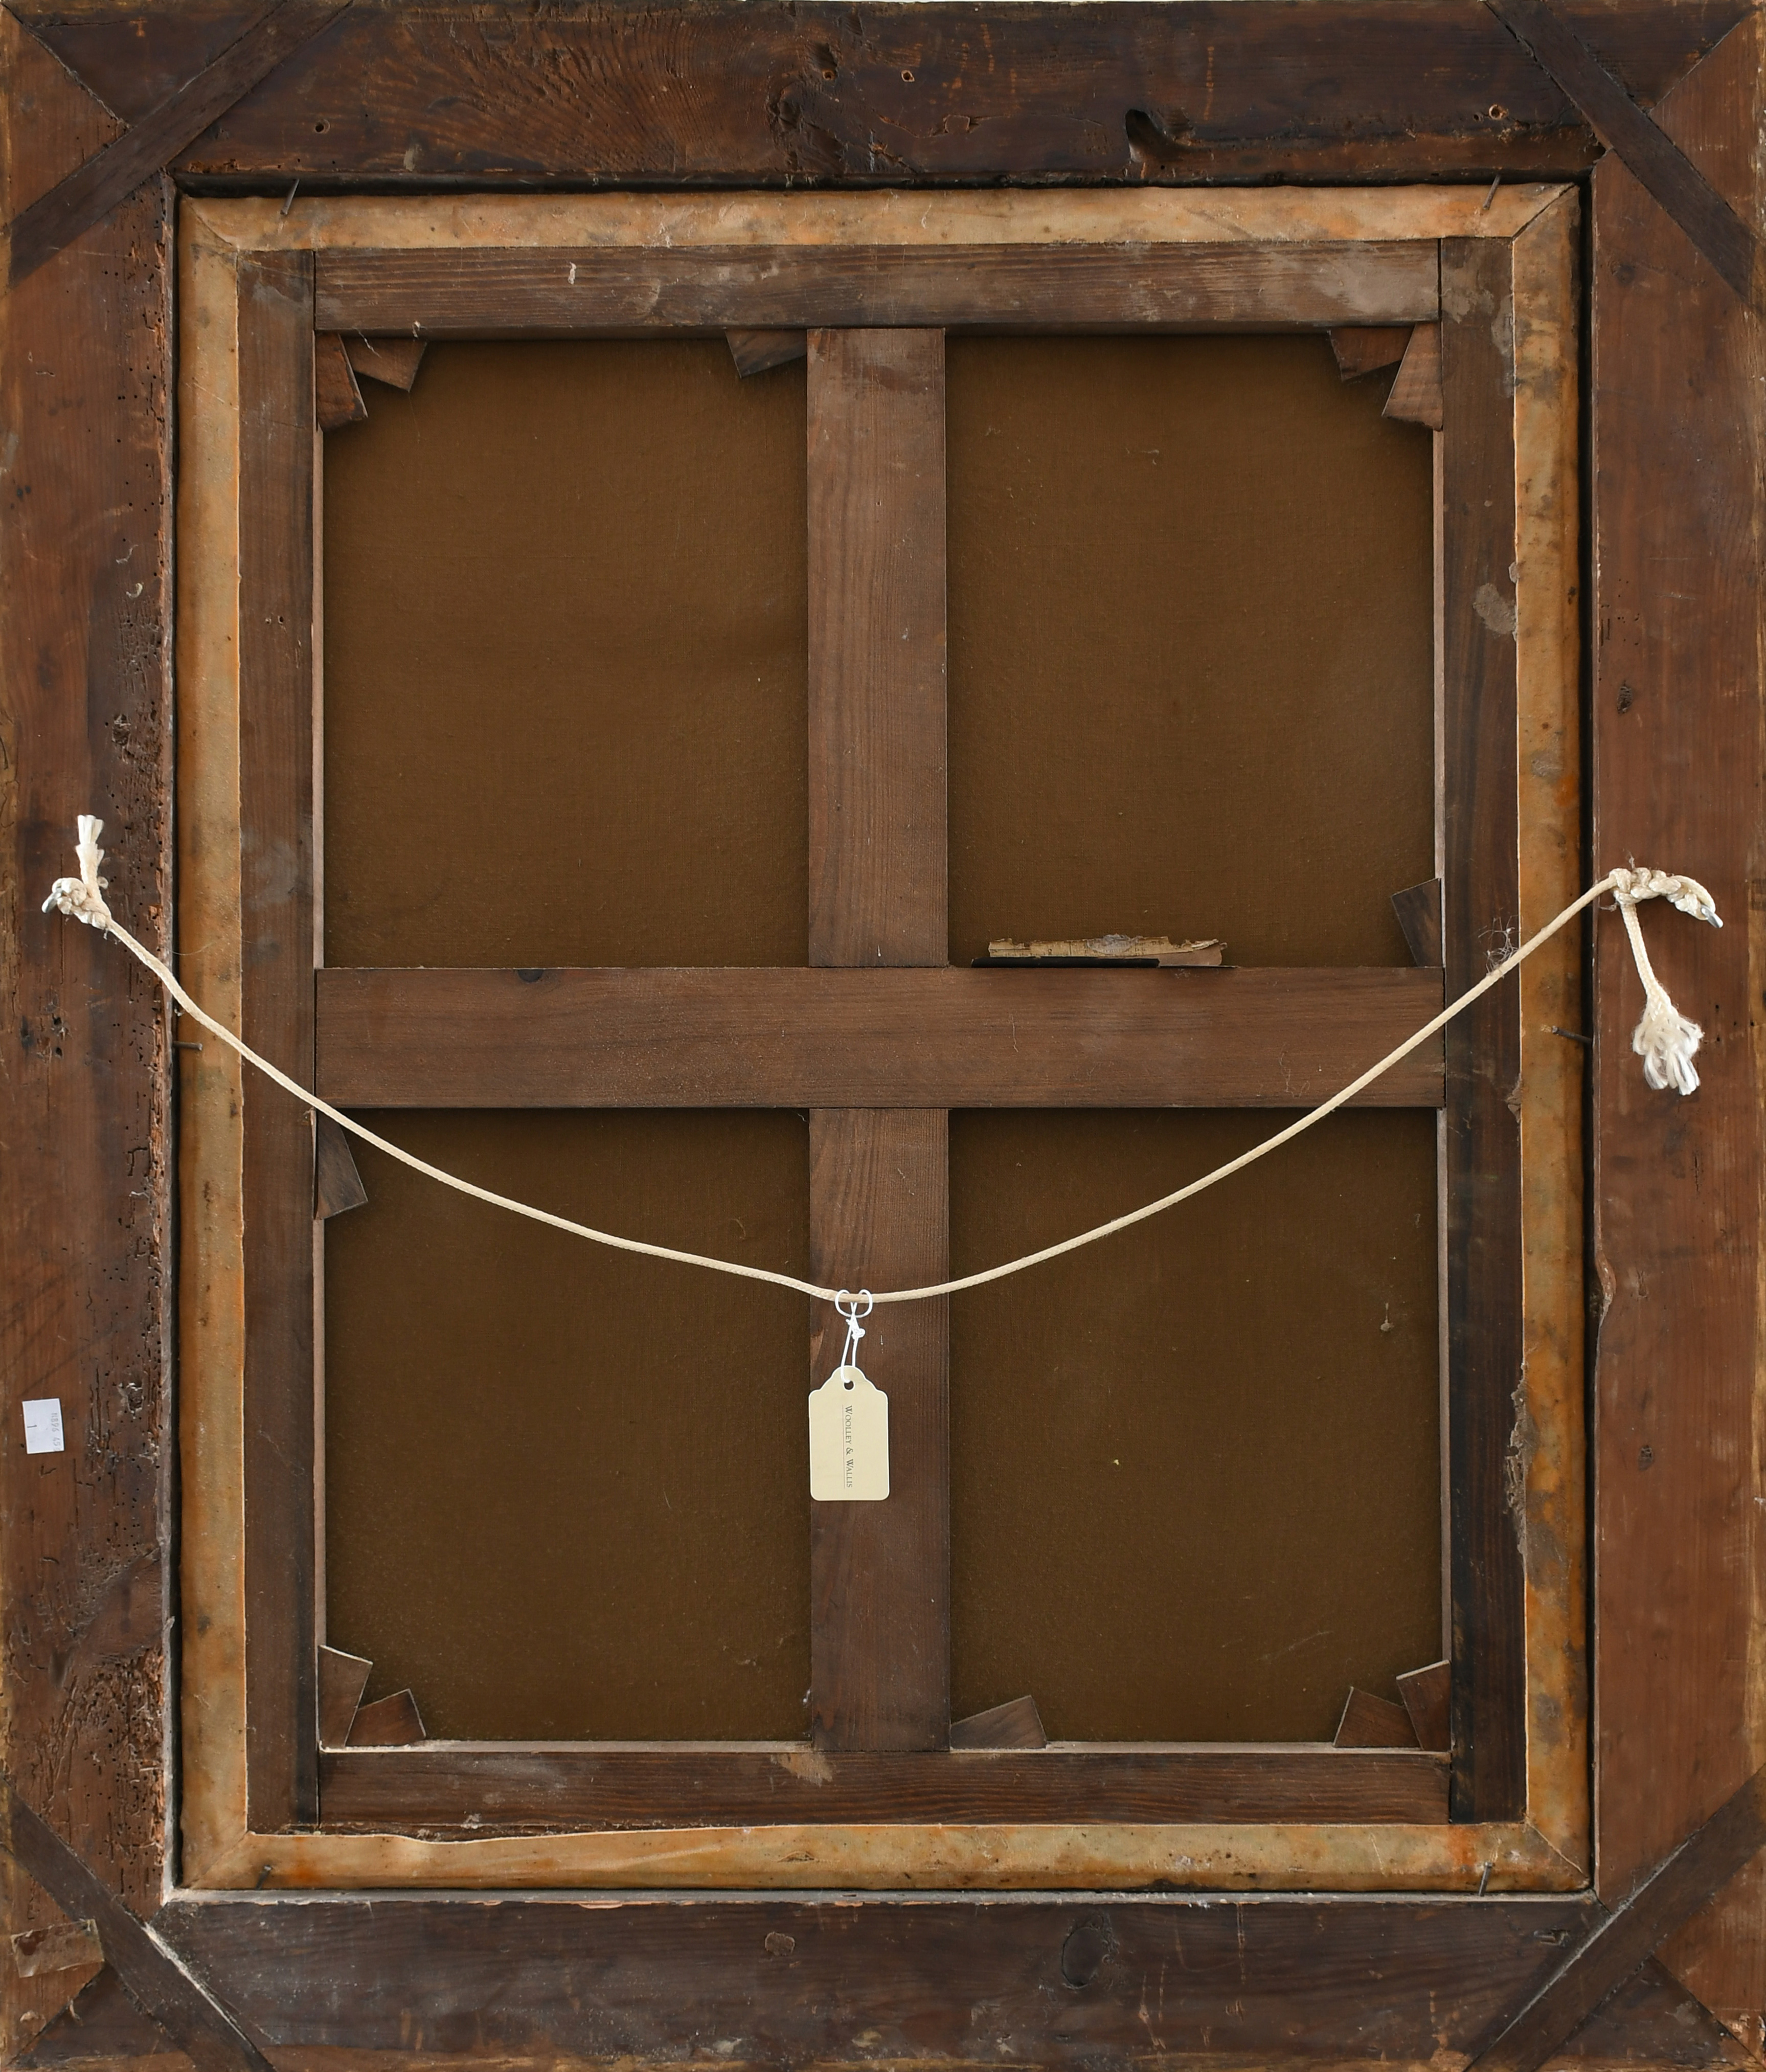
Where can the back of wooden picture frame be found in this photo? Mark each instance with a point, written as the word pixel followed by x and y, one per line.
pixel 1666 589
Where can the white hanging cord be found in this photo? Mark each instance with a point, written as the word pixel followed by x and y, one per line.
pixel 847 1305
pixel 1663 1039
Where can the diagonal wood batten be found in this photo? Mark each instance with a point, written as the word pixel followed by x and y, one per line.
pixel 879 1187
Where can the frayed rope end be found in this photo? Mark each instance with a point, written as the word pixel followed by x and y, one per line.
pixel 1666 1042
pixel 83 897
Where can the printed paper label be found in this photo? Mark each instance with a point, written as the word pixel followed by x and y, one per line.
pixel 43 1426
pixel 849 1440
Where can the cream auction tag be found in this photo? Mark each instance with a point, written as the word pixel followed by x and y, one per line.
pixel 849 1440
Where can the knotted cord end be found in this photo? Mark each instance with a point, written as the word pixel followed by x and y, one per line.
pixel 1663 1039
pixel 83 897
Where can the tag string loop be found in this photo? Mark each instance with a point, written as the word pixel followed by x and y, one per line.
pixel 1663 1039
pixel 847 1305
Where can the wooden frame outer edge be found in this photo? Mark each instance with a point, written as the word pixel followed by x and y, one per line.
pixel 222 1853
pixel 210 1168
pixel 1552 1441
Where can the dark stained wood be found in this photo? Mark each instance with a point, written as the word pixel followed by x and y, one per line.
pixel 754 352
pixel 1428 1694
pixel 337 400
pixel 926 1037
pixel 877 796
pixel 880 1573
pixel 1675 704
pixel 276 849
pixel 1481 1180
pixel 1699 1868
pixel 1416 389
pixel 342 1679
pixel 85 1214
pixel 1363 350
pixel 1369 1722
pixel 337 1186
pixel 607 290
pixel 393 361
pixel 769 93
pixel 601 1785
pixel 393 1722
pixel 1418 911
pixel 166 1989
pixel 1016 1725
pixel 85 196
pixel 1652 2019
pixel 1260 1980
pixel 1649 154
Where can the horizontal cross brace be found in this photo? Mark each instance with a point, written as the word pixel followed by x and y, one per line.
pixel 928 1037
pixel 676 1784
pixel 598 290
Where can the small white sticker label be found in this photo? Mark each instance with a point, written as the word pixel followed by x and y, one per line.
pixel 43 1426
pixel 849 1440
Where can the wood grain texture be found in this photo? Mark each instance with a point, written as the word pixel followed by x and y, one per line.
pixel 768 93
pixel 1649 2021
pixel 162 1985
pixel 1362 350
pixel 754 352
pixel 1017 1724
pixel 1369 1722
pixel 880 1573
pixel 87 195
pixel 502 1787
pixel 1418 911
pixel 1645 150
pixel 85 726
pixel 1699 1869
pixel 877 778
pixel 390 1722
pixel 1427 1696
pixel 276 444
pixel 337 1185
pixel 1481 1147
pixel 1680 1432
pixel 393 361
pixel 337 400
pixel 1416 397
pixel 593 291
pixel 342 1679
pixel 1263 1981
pixel 931 1037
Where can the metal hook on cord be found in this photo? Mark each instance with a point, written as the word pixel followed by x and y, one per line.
pixel 847 1304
